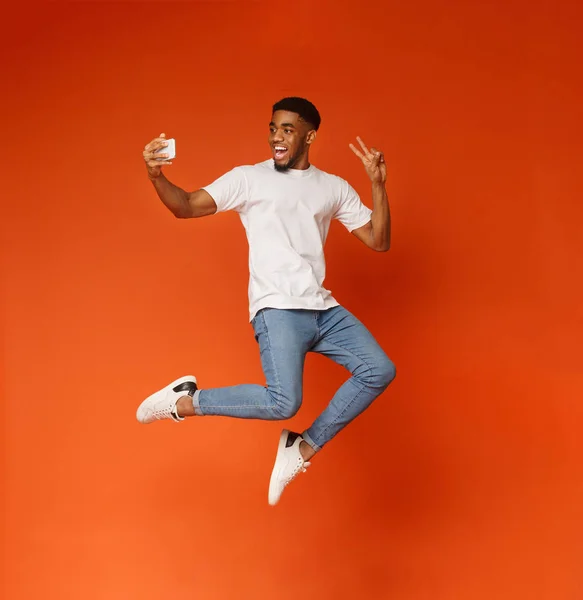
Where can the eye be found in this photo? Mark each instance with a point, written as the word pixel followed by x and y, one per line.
pixel 287 130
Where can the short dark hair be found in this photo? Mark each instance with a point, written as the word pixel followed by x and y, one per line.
pixel 307 111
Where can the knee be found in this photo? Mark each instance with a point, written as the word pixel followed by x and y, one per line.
pixel 381 373
pixel 388 372
pixel 286 410
pixel 285 405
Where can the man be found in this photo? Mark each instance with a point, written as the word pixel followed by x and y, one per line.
pixel 286 206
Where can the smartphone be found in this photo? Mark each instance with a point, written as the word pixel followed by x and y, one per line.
pixel 170 149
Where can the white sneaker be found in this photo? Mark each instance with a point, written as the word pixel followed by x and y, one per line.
pixel 162 404
pixel 288 463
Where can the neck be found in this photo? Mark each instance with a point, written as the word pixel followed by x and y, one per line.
pixel 303 163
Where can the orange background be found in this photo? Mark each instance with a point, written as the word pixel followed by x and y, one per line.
pixel 464 481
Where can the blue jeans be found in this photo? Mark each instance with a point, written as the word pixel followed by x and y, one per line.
pixel 285 337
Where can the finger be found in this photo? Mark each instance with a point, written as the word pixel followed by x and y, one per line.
pixel 356 151
pixel 153 155
pixel 155 144
pixel 161 147
pixel 152 158
pixel 154 150
pixel 363 145
pixel 158 163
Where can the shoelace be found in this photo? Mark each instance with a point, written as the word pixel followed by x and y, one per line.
pixel 167 413
pixel 301 467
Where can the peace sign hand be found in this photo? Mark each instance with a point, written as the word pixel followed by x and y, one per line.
pixel 373 161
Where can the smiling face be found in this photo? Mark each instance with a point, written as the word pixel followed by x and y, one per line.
pixel 290 138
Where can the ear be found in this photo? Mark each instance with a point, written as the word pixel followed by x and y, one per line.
pixel 311 137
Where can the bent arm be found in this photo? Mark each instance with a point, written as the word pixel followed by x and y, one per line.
pixel 182 204
pixel 376 234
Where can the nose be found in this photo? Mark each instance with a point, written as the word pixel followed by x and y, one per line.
pixel 277 136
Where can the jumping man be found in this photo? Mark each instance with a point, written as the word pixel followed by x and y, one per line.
pixel 286 205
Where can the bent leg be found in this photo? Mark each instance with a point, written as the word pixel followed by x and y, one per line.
pixel 344 339
pixel 284 338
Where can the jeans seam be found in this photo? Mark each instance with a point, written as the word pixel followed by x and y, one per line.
pixel 364 387
pixel 273 366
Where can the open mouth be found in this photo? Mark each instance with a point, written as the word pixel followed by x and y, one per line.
pixel 279 152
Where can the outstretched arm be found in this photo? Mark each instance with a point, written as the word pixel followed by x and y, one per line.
pixel 377 233
pixel 182 204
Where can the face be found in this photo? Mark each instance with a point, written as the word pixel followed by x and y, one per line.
pixel 290 139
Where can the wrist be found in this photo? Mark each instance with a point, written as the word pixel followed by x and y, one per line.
pixel 153 176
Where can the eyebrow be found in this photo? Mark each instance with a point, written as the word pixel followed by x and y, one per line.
pixel 272 124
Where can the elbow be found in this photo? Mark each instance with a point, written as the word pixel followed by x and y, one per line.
pixel 380 241
pixel 382 246
pixel 184 210
pixel 183 213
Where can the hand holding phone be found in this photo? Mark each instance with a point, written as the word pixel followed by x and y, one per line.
pixel 170 149
pixel 152 152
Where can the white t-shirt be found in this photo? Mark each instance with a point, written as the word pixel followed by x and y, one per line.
pixel 287 217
